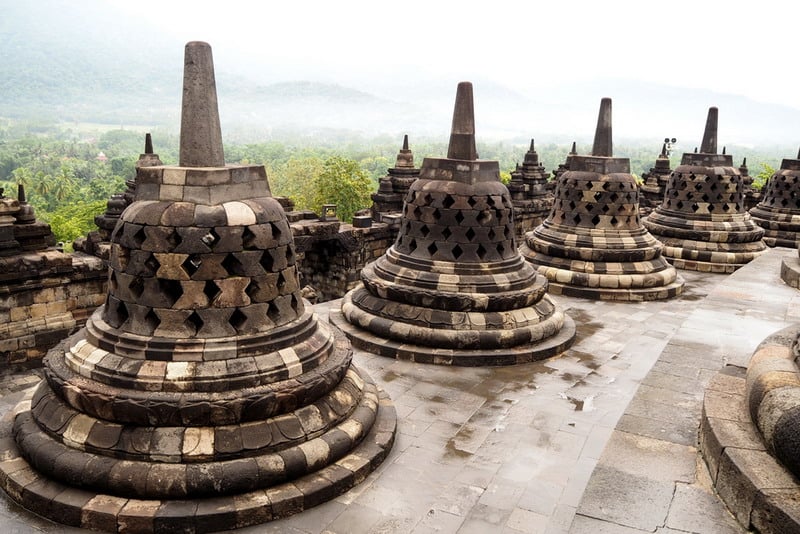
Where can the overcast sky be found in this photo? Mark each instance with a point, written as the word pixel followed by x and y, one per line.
pixel 745 48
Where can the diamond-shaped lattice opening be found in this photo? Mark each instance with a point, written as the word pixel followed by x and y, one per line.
pixel 267 261
pixel 210 239
pixel 481 251
pixel 457 252
pixel 459 217
pixel 152 265
pixel 211 290
pixel 248 238
pixel 448 201
pixel 192 264
pixel 470 234
pixel 273 312
pixel 437 214
pixel 290 254
pixel 276 231
pixel 136 287
pixel 596 220
pixel 605 208
pixel 252 289
pixel 713 186
pixel 152 321
pixel 695 207
pixel 491 234
pixel 711 207
pixel 726 207
pixel 507 232
pixel 607 186
pixel 296 304
pixel 233 266
pixel 501 249
pixel 122 312
pixel 112 281
pixel 614 221
pixel 705 198
pixel 490 201
pixel 426 200
pixel 172 289
pixel 589 207
pixel 613 197
pixel 412 245
pixel 680 204
pixel 195 321
pixel 424 230
pixel 446 233
pixel 577 218
pixel 417 212
pixel 471 201
pixel 174 239
pixel 597 196
pixel 571 205
pixel 139 237
pixel 432 249
pixel 237 319
pixel 281 281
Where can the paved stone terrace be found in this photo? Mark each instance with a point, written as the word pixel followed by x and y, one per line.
pixel 600 440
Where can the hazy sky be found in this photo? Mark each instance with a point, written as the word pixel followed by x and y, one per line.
pixel 746 48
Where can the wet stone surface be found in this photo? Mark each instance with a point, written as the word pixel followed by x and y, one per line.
pixel 530 448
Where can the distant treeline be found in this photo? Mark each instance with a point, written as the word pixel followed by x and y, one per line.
pixel 70 171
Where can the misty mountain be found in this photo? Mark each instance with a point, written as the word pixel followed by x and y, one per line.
pixel 86 62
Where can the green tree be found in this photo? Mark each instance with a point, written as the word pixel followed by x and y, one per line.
pixel 74 220
pixel 760 179
pixel 344 183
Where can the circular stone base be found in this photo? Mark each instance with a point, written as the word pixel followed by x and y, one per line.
pixel 84 509
pixel 546 348
pixel 623 295
pixel 790 271
pixel 759 491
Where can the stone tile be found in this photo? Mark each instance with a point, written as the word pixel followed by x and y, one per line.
pixel 695 510
pixel 629 500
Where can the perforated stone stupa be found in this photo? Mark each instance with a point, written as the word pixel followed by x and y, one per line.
pixel 778 213
pixel 453 289
pixel 531 192
pixel 702 220
pixel 204 394
pixel 593 244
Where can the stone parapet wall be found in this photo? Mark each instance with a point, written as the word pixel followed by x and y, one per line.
pixel 332 264
pixel 44 296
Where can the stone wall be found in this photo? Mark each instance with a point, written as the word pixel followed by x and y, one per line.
pixel 44 296
pixel 332 264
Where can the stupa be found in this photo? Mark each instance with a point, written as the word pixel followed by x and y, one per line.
pixel 779 210
pixel 204 394
pixel 453 288
pixel 655 181
pixel 531 192
pixel 393 187
pixel 593 244
pixel 564 167
pixel 702 221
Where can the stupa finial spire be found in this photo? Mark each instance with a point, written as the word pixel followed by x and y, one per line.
pixel 148 144
pixel 201 136
pixel 462 133
pixel 709 144
pixel 21 193
pixel 532 147
pixel 603 145
pixel 574 150
pixel 405 142
pixel 664 150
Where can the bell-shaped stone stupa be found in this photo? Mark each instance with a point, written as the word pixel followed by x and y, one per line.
pixel 702 220
pixel 593 244
pixel 453 289
pixel 204 395
pixel 779 210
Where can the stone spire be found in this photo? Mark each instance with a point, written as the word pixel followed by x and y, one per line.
pixel 462 133
pixel 387 202
pixel 603 145
pixel 201 135
pixel 709 144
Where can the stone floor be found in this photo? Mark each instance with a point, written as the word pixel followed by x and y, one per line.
pixel 600 440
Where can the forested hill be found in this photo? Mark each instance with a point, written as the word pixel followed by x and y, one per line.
pixel 85 61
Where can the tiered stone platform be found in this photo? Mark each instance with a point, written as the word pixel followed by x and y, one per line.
pixel 779 210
